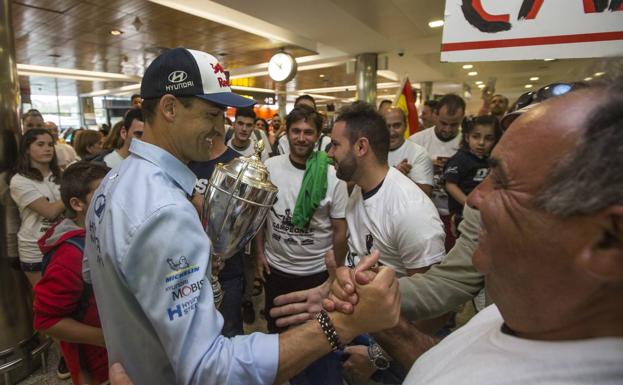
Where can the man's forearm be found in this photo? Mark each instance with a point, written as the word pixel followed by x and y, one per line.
pixel 70 330
pixel 302 345
pixel 405 343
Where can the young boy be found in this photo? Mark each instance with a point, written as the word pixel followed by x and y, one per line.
pixel 64 305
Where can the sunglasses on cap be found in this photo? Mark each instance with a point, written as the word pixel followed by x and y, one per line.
pixel 533 98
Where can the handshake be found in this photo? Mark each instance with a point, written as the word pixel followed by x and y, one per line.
pixel 367 298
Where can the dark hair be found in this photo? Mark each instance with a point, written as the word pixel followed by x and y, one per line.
pixel 134 96
pixel 32 112
pixel 77 178
pixel 432 104
pixel 263 121
pixel 113 139
pixel 384 101
pixel 245 113
pixel 467 126
pixel 305 113
pixel 452 102
pixel 305 97
pixel 8 159
pixel 148 107
pixel 84 139
pixel 362 120
pixel 130 116
pixel 23 166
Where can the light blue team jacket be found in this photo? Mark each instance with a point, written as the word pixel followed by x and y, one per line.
pixel 149 261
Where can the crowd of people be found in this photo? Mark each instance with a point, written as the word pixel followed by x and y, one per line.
pixel 375 239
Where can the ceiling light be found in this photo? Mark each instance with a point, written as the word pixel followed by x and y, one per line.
pixel 473 73
pixel 528 86
pixel 116 32
pixel 479 82
pixel 435 23
pixel 588 79
pixel 321 75
pixel 468 66
pixel 66 73
pixel 549 59
pixel 481 86
pixel 600 73
pixel 534 78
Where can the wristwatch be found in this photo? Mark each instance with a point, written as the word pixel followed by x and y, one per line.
pixel 377 357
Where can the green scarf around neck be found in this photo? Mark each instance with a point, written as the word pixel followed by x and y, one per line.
pixel 313 188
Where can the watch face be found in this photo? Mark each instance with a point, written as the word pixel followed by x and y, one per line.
pixel 381 363
pixel 282 67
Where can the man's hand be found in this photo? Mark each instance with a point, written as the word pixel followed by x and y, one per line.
pixel 300 306
pixel 358 364
pixel 118 376
pixel 404 167
pixel 343 296
pixel 378 305
pixel 262 268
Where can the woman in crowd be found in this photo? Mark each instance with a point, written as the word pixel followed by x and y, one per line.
pixel 35 190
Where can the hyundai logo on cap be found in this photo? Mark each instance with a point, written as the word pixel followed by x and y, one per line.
pixel 185 72
pixel 177 76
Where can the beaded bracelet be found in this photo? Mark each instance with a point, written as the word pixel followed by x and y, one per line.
pixel 329 330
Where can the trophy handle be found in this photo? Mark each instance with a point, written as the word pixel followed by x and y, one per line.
pixel 231 196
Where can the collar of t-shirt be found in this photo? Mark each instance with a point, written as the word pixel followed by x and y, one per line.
pixel 371 193
pixel 296 164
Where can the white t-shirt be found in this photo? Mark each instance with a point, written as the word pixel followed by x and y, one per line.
pixel 480 353
pixel 437 149
pixel 422 166
pixel 399 220
pixel 24 191
pixel 250 149
pixel 113 159
pixel 288 248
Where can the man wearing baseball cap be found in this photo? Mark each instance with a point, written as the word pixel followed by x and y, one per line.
pixel 148 257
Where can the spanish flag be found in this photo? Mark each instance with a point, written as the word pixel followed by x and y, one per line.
pixel 405 100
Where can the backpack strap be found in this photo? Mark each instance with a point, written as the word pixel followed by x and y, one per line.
pixel 258 134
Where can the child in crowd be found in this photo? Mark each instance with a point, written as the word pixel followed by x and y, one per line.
pixel 64 305
pixel 35 190
pixel 468 167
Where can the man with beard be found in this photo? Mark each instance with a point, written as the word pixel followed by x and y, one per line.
pixel 386 211
pixel 306 221
pixel 495 105
pixel 442 141
pixel 409 158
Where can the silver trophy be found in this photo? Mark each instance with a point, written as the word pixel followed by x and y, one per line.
pixel 235 205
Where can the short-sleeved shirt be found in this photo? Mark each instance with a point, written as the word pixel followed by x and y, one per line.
pixel 288 248
pixel 421 164
pixel 249 150
pixel 466 170
pixel 24 191
pixel 437 150
pixel 204 170
pixel 148 258
pixel 398 219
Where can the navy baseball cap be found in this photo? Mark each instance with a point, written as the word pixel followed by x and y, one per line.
pixel 186 72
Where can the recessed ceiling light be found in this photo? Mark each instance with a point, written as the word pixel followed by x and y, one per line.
pixel 479 82
pixel 549 59
pixel 528 86
pixel 481 86
pixel 473 73
pixel 534 78
pixel 321 75
pixel 116 32
pixel 588 79
pixel 435 23
pixel 600 73
pixel 468 66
